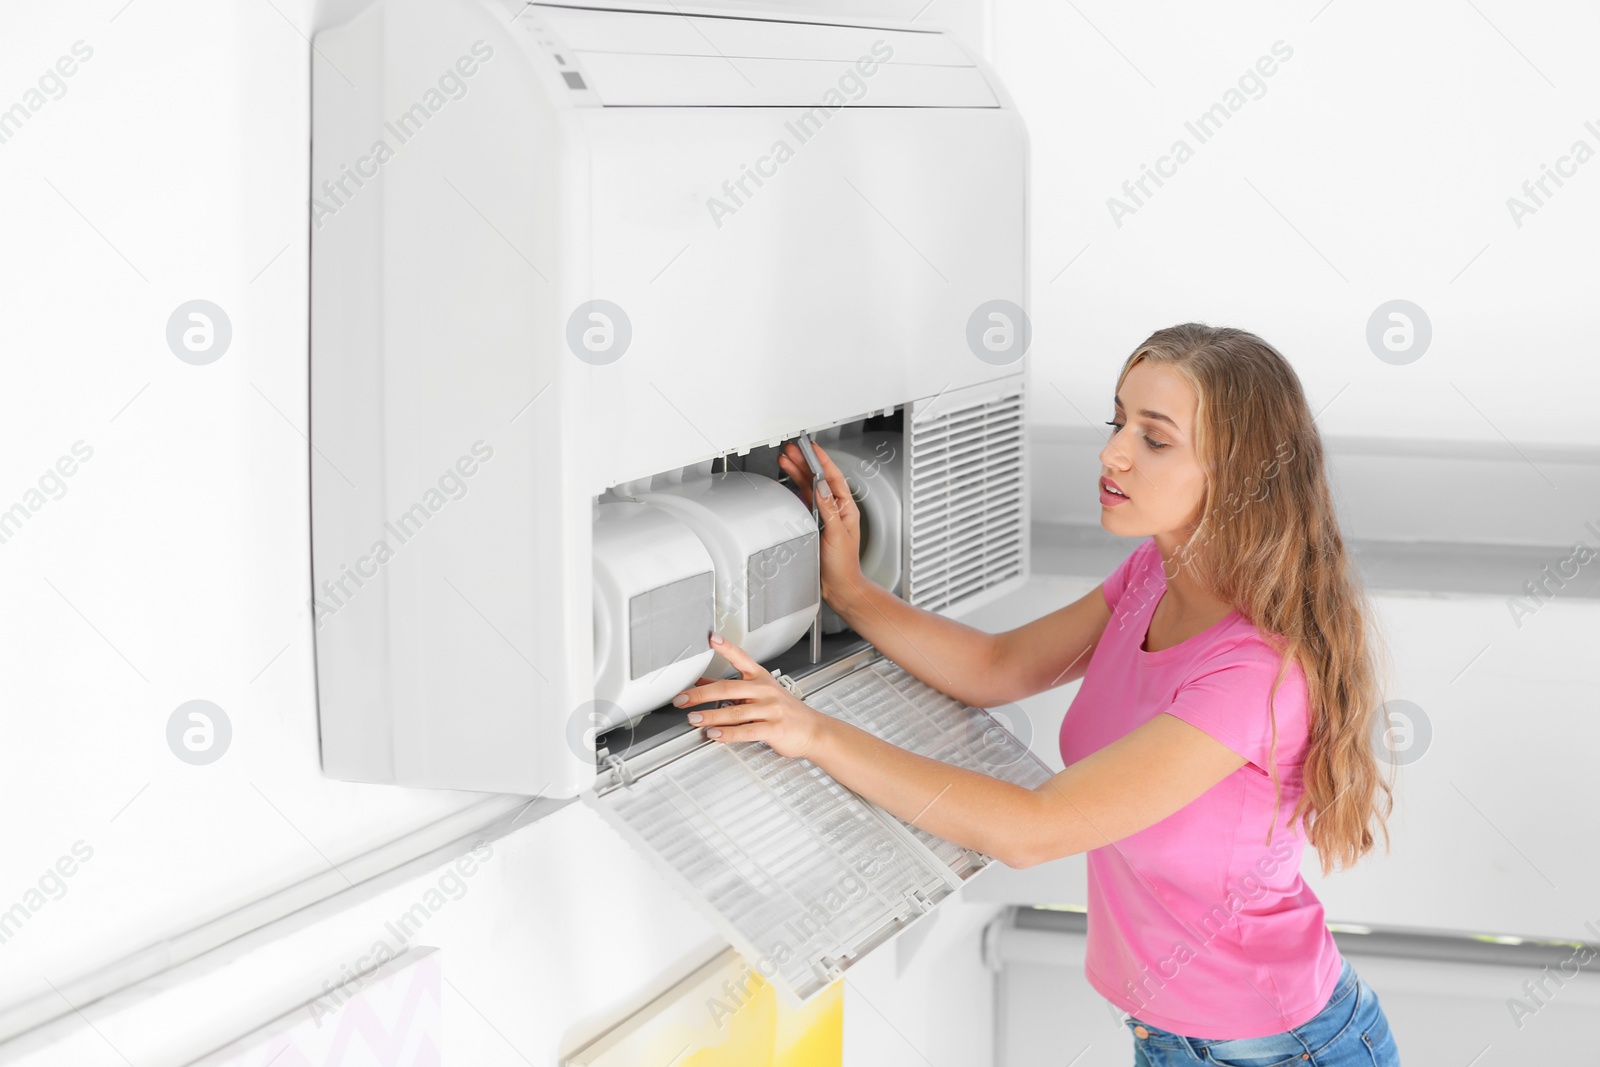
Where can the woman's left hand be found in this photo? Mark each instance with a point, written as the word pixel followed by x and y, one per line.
pixel 765 710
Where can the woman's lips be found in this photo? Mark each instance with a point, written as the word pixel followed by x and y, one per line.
pixel 1110 499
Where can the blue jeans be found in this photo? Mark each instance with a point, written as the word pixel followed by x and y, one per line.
pixel 1350 1031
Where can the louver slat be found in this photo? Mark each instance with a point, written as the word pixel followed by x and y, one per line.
pixel 966 528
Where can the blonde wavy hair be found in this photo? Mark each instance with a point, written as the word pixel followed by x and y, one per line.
pixel 1268 542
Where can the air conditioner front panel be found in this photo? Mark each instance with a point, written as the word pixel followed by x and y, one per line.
pixel 795 869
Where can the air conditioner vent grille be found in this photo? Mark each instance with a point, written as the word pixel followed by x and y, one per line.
pixel 967 524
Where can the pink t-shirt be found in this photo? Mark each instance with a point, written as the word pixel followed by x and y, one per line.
pixel 1196 925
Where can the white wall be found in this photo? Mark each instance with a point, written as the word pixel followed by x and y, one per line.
pixel 172 565
pixel 1441 1014
pixel 175 565
pixel 1376 164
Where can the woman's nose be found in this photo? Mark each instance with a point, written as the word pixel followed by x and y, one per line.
pixel 1111 458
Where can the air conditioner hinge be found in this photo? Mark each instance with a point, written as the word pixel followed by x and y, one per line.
pixel 618 766
pixel 787 682
pixel 919 901
pixel 830 966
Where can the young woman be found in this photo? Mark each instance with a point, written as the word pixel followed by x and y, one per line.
pixel 1227 676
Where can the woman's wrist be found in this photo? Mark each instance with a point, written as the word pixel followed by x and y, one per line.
pixel 822 738
pixel 851 597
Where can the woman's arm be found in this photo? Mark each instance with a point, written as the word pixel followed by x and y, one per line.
pixel 1134 782
pixel 977 668
pixel 1051 650
pixel 974 810
pixel 949 655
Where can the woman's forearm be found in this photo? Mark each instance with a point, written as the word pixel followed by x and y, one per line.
pixel 951 656
pixel 973 810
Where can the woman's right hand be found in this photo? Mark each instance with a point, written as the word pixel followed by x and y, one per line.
pixel 840 550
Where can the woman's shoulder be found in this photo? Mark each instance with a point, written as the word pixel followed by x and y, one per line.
pixel 1244 643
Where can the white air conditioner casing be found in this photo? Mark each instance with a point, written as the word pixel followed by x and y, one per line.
pixel 481 171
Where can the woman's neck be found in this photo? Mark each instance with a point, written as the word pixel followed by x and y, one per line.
pixel 1186 599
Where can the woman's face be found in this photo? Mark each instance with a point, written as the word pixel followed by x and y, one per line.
pixel 1151 457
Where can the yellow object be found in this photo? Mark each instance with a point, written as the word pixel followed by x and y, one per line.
pixel 762 1033
pixel 725 1014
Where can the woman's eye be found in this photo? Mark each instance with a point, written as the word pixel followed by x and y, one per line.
pixel 1155 446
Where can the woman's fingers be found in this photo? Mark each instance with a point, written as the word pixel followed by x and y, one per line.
pixel 739 659
pixel 724 689
pixel 835 479
pixel 797 471
pixel 734 714
pixel 837 499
